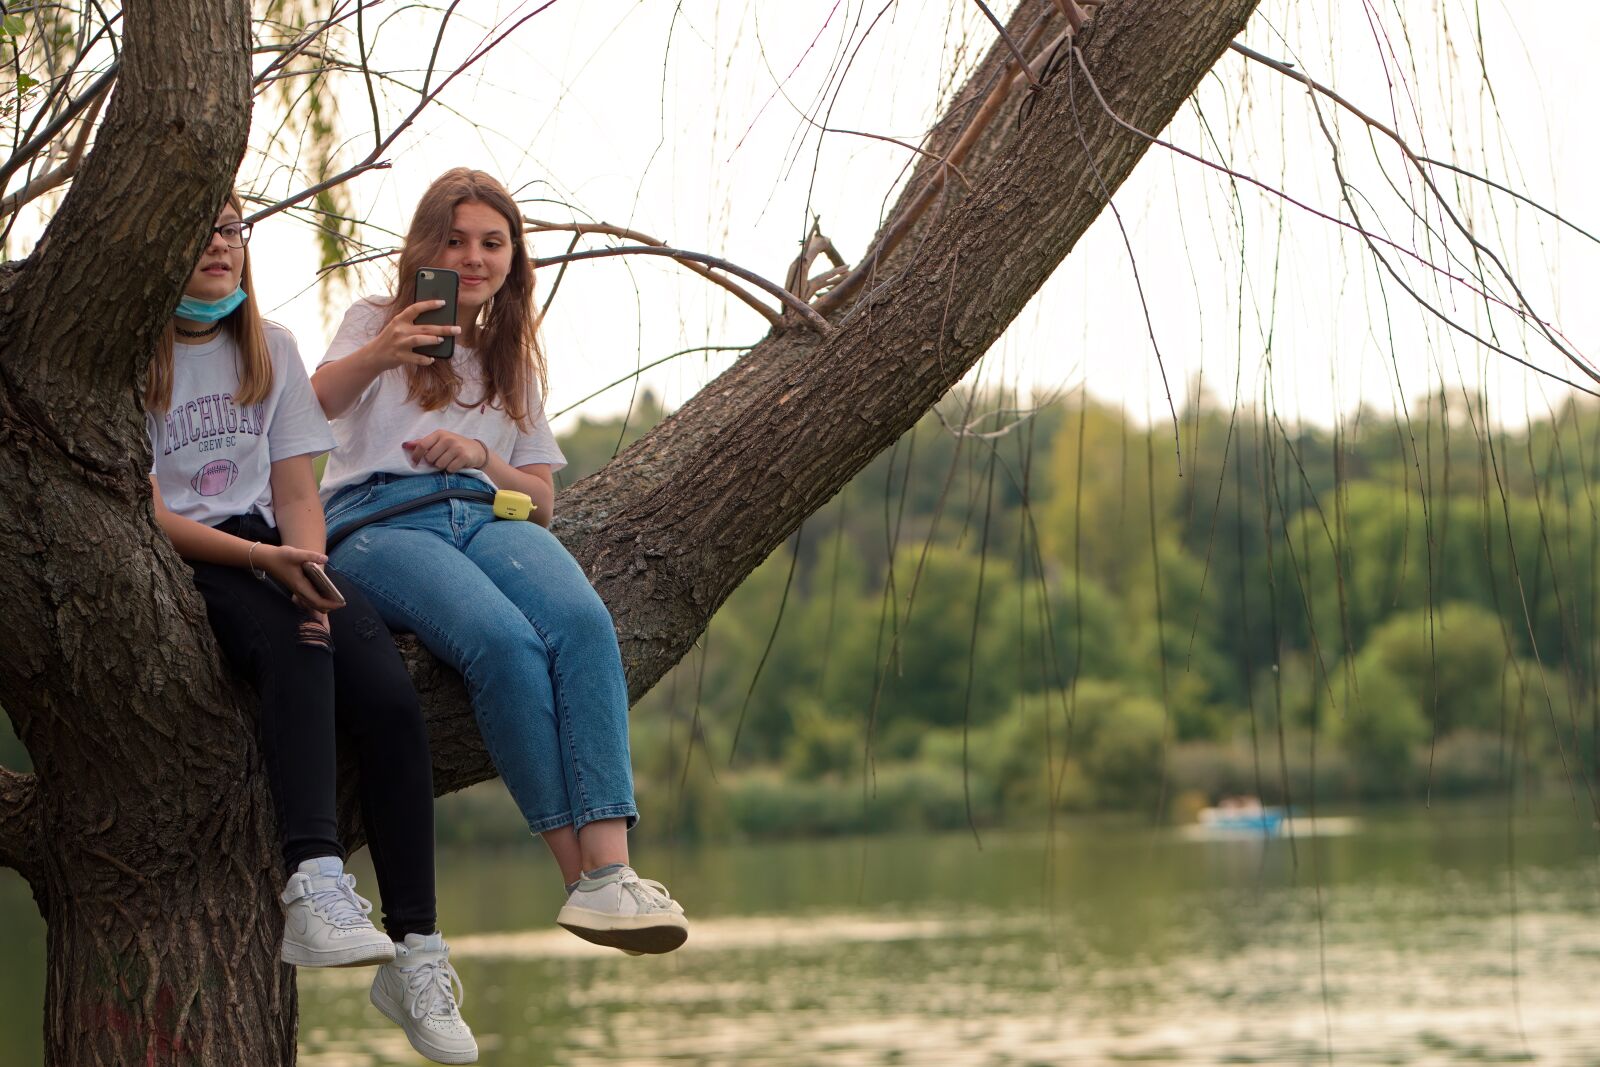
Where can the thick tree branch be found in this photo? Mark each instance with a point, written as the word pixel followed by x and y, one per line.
pixel 19 821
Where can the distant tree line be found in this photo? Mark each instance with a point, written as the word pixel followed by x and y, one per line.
pixel 1014 612
pixel 1060 608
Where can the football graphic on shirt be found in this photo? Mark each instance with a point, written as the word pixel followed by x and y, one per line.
pixel 214 478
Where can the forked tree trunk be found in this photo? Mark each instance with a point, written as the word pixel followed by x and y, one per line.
pixel 146 831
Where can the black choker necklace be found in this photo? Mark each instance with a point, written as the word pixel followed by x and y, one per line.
pixel 207 332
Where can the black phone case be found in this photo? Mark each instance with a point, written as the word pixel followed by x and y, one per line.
pixel 436 283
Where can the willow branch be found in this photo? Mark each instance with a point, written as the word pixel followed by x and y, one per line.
pixel 630 376
pixel 1373 241
pixel 943 161
pixel 39 140
pixel 322 186
pixel 427 96
pixel 1419 166
pixel 1016 51
pixel 366 70
pixel 1076 18
pixel 790 301
pixel 60 84
pixel 799 280
pixel 57 175
pixel 51 179
pixel 580 228
pixel 288 52
pixel 356 261
pixel 1559 218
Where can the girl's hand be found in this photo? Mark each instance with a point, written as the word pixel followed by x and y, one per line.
pixel 282 563
pixel 394 343
pixel 448 452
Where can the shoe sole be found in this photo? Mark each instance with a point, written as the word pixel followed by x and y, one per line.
pixel 637 935
pixel 369 955
pixel 423 1048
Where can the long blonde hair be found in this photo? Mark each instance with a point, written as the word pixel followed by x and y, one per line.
pixel 508 334
pixel 243 325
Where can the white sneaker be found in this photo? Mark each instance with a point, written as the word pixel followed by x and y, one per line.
pixel 420 992
pixel 325 923
pixel 622 910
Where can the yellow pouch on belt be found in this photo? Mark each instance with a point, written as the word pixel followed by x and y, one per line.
pixel 509 504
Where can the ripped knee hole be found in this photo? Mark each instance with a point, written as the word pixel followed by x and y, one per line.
pixel 313 634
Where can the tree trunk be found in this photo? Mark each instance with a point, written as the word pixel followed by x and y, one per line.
pixel 144 832
pixel 159 876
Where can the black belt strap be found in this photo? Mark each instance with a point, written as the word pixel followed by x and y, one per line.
pixel 483 496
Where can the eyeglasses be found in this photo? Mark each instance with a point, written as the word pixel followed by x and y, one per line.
pixel 236 234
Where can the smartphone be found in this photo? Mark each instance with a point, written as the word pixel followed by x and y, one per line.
pixel 321 582
pixel 436 283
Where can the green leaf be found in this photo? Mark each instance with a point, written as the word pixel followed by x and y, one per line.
pixel 24 83
pixel 13 26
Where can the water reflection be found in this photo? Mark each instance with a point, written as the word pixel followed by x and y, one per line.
pixel 849 989
pixel 1398 941
pixel 1389 941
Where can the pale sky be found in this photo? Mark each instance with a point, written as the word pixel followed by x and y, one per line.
pixel 687 124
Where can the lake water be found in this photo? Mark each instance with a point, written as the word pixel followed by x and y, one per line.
pixel 1404 937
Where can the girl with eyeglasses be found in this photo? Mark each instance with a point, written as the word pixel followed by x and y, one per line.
pixel 234 426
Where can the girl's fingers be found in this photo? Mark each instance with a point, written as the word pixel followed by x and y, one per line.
pixel 410 314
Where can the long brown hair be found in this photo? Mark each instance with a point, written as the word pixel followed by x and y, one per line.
pixel 243 325
pixel 508 332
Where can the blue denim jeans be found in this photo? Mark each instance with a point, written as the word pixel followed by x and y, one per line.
pixel 505 605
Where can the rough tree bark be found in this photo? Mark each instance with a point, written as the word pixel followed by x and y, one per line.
pixel 146 831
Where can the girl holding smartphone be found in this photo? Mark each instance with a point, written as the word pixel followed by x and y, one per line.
pixel 233 426
pixel 500 601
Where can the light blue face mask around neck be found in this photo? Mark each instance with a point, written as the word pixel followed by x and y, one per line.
pixel 209 310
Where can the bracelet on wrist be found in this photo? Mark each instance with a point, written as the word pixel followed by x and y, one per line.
pixel 250 561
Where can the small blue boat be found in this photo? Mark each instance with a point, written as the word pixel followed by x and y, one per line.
pixel 1243 815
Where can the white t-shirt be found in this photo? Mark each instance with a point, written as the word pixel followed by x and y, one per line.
pixel 370 432
pixel 210 462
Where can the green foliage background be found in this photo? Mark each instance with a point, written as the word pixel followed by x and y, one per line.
pixel 1061 614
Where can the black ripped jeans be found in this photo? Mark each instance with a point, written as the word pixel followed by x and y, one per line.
pixel 311 692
